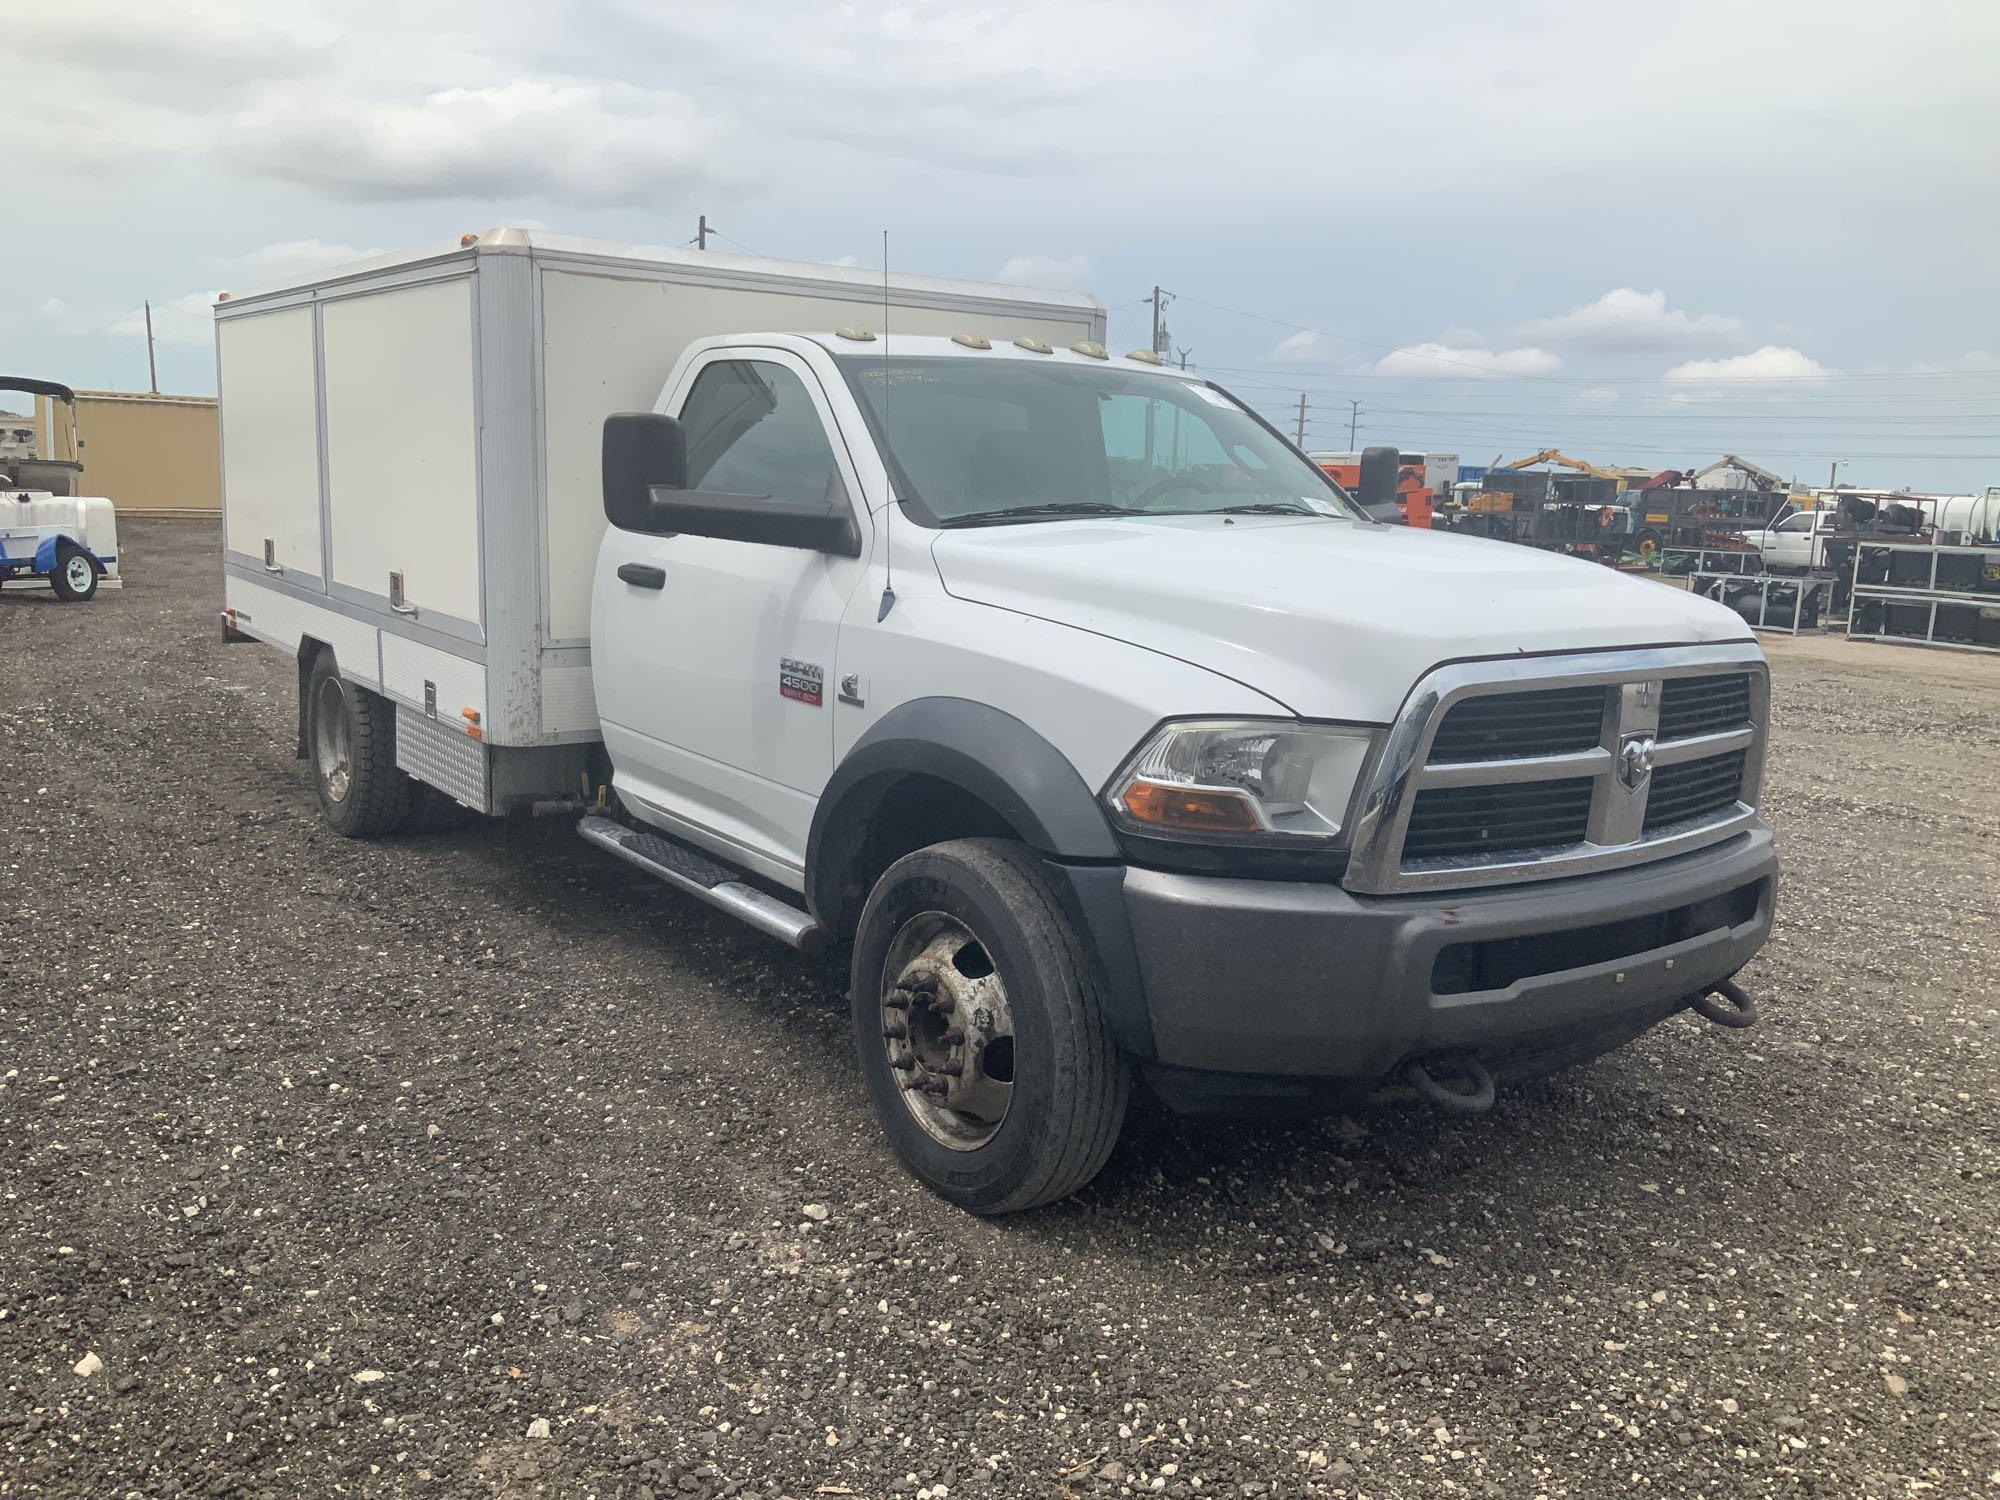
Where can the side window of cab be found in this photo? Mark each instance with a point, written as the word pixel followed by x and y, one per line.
pixel 752 429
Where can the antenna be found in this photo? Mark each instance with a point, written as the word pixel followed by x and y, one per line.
pixel 888 479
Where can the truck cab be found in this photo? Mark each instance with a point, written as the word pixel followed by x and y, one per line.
pixel 1068 674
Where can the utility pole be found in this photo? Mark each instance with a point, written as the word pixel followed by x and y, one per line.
pixel 701 232
pixel 1302 419
pixel 1353 423
pixel 1162 340
pixel 1184 353
pixel 152 370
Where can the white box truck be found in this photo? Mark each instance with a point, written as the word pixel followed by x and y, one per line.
pixel 1102 731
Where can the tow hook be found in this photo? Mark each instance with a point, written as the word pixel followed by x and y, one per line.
pixel 1477 1102
pixel 1740 1011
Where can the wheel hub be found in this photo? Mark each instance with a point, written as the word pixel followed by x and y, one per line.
pixel 332 747
pixel 948 1030
pixel 77 572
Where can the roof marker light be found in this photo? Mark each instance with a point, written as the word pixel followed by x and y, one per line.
pixel 1089 349
pixel 1146 357
pixel 972 340
pixel 465 240
pixel 855 332
pixel 1034 345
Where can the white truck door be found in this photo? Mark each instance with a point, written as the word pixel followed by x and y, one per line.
pixel 1789 543
pixel 715 678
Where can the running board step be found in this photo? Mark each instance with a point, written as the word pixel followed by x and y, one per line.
pixel 688 869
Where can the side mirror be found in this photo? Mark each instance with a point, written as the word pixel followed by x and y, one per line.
pixel 643 451
pixel 645 490
pixel 1375 487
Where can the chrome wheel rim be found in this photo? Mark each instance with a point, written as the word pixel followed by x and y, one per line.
pixel 77 574
pixel 948 1030
pixel 332 744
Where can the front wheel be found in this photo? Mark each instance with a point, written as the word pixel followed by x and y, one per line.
pixel 984 1047
pixel 75 577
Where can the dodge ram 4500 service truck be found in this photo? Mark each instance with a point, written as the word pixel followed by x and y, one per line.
pixel 1100 727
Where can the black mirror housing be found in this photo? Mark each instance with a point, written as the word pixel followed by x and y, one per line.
pixel 643 451
pixel 814 527
pixel 1376 485
pixel 645 490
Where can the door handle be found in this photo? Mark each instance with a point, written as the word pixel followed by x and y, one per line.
pixel 645 575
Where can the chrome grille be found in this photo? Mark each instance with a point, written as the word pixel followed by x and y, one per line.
pixel 1693 789
pixel 1509 724
pixel 1530 768
pixel 1473 819
pixel 1703 705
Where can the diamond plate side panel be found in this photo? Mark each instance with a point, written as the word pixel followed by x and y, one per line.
pixel 444 757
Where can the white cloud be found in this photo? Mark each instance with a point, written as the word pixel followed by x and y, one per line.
pixel 595 145
pixel 1058 272
pixel 1597 395
pixel 1768 363
pixel 1303 345
pixel 1977 359
pixel 54 307
pixel 188 319
pixel 1629 321
pixel 291 260
pixel 1447 361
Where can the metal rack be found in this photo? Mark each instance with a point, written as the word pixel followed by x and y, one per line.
pixel 1711 561
pixel 1809 595
pixel 1925 595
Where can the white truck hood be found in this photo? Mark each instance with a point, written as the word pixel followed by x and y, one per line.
pixel 1333 620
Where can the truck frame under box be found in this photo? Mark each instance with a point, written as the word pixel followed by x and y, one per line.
pixel 410 456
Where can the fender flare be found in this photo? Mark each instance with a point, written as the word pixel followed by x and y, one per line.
pixel 45 554
pixel 1034 788
pixel 986 752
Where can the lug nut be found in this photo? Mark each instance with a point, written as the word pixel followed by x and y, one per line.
pixel 902 1064
pixel 953 1069
pixel 895 1030
pixel 953 1036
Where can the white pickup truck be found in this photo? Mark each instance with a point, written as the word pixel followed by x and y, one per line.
pixel 1098 727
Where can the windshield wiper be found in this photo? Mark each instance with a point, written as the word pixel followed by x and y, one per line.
pixel 1045 508
pixel 1265 508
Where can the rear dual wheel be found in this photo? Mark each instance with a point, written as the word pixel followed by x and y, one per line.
pixel 351 734
pixel 979 1029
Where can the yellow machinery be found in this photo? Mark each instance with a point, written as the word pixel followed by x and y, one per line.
pixel 1563 460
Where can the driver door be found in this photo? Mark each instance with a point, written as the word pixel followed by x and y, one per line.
pixel 1789 543
pixel 715 671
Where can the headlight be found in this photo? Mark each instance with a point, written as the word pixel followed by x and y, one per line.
pixel 1241 779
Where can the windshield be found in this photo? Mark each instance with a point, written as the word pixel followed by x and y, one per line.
pixel 976 442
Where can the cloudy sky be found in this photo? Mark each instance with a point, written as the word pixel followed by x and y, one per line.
pixel 1645 234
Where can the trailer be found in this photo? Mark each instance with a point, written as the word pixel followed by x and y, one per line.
pixel 54 537
pixel 412 476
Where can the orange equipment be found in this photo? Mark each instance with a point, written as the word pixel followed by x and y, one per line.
pixel 1413 497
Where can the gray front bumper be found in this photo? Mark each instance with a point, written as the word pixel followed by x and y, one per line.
pixel 1307 981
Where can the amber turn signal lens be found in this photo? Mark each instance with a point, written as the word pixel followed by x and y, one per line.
pixel 1189 809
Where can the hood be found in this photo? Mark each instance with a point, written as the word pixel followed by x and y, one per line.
pixel 1333 620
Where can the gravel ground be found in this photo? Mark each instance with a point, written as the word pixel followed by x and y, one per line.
pixel 474 1164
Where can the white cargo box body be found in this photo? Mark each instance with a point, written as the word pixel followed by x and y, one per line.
pixel 410 454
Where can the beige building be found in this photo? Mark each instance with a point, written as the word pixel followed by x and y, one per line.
pixel 149 454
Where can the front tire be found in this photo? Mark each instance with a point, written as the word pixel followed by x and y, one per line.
pixel 979 1029
pixel 75 576
pixel 352 736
